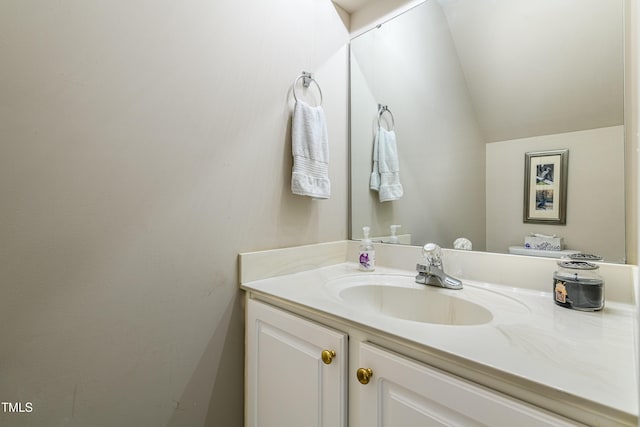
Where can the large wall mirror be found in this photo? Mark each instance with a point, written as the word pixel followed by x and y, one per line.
pixel 474 85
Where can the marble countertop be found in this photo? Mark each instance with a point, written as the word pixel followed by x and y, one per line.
pixel 590 355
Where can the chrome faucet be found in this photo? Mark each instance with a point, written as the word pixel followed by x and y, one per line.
pixel 431 271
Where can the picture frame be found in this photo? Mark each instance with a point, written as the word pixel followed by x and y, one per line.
pixel 545 187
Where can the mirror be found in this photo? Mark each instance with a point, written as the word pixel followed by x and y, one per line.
pixel 474 85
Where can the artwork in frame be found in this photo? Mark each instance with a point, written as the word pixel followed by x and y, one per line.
pixel 545 187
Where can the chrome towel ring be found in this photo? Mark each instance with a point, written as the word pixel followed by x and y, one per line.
pixel 307 79
pixel 385 109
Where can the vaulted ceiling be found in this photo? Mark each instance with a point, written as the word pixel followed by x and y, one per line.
pixel 538 67
pixel 534 67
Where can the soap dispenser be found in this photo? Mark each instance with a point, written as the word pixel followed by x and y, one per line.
pixel 393 229
pixel 367 259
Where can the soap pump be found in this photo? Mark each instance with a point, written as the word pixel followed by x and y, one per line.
pixel 393 229
pixel 367 259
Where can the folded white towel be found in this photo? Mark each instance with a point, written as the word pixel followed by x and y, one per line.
pixel 374 182
pixel 385 176
pixel 310 146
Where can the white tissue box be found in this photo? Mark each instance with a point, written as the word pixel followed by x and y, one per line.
pixel 544 243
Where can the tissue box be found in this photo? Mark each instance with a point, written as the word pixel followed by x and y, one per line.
pixel 544 243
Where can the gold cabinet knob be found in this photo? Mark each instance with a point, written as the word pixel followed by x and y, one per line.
pixel 364 375
pixel 327 356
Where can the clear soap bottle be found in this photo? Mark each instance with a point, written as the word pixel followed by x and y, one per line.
pixel 394 229
pixel 367 258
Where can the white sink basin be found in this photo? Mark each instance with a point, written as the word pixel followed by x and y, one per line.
pixel 399 297
pixel 424 304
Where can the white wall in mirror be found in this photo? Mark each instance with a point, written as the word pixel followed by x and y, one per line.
pixel 474 84
pixel 595 193
pixel 440 148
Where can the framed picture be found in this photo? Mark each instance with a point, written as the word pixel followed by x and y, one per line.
pixel 545 187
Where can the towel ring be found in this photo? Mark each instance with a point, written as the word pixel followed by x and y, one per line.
pixel 384 109
pixel 307 79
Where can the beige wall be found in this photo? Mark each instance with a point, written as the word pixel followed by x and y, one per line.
pixel 632 118
pixel 631 129
pixel 410 64
pixel 595 193
pixel 142 146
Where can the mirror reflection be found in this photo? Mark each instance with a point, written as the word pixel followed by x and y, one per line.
pixel 473 86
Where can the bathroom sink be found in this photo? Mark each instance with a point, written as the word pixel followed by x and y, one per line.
pixel 399 297
pixel 418 304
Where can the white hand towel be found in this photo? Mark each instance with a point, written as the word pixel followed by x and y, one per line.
pixel 385 176
pixel 310 146
pixel 374 182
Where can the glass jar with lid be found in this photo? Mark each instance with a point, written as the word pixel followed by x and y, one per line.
pixel 577 283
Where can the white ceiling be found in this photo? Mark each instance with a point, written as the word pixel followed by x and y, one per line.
pixel 534 67
pixel 538 67
pixel 351 5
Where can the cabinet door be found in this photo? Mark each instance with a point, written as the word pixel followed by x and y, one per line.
pixel 403 392
pixel 288 384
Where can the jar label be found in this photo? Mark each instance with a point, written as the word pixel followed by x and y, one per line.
pixel 561 291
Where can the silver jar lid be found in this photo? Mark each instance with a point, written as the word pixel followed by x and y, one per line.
pixel 584 257
pixel 578 265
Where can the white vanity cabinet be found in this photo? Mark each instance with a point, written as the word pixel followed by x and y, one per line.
pixel 402 392
pixel 531 364
pixel 296 371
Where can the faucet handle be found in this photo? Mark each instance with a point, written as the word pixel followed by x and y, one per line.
pixel 432 254
pixel 432 271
